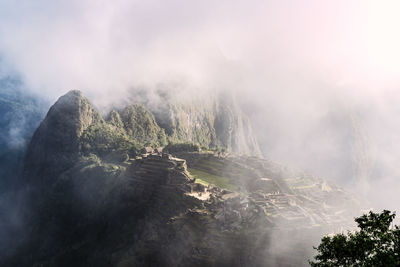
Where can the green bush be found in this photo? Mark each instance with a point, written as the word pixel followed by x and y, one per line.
pixel 375 244
pixel 102 139
pixel 182 147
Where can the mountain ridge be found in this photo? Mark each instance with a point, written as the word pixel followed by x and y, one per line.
pixel 97 199
pixel 79 127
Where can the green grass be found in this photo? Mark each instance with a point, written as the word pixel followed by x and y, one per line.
pixel 300 183
pixel 304 186
pixel 206 178
pixel 221 168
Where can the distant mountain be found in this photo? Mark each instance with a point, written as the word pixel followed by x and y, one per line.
pixel 96 197
pixel 21 113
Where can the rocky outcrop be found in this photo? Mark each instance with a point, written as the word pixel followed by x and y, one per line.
pixel 233 128
pixel 55 144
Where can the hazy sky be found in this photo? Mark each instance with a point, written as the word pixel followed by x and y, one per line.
pixel 265 45
pixel 302 68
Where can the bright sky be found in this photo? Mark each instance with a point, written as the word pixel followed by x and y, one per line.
pixel 57 45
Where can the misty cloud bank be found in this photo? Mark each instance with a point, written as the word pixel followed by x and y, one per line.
pixel 318 79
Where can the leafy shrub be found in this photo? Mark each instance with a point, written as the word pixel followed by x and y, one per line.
pixel 376 244
pixel 102 139
pixel 182 147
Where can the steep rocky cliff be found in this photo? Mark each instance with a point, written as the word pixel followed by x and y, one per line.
pixel 212 121
pixel 98 201
pixel 55 145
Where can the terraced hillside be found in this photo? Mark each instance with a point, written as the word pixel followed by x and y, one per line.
pixel 151 211
pixel 292 196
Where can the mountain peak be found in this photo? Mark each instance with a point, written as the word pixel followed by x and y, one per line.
pixel 74 92
pixel 57 138
pixel 76 110
pixel 70 98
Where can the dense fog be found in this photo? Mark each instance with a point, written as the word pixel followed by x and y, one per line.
pixel 319 80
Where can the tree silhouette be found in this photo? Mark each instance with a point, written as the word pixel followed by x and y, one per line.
pixel 375 244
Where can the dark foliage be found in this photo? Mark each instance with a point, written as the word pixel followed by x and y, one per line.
pixel 375 244
pixel 182 147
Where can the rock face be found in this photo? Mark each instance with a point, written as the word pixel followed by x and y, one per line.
pixel 233 129
pixel 216 123
pixel 55 145
pixel 99 202
pixel 140 124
